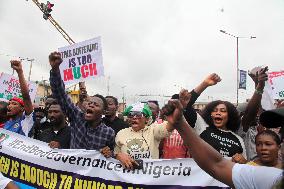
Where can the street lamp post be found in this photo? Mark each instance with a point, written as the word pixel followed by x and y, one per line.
pixel 237 37
pixel 108 78
pixel 31 65
pixel 123 96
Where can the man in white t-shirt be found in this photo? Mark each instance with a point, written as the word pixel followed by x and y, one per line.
pixel 235 175
pixel 7 183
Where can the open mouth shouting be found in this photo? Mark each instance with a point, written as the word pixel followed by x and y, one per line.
pixel 219 121
pixel 89 113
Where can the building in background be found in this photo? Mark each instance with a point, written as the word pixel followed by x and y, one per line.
pixel 44 90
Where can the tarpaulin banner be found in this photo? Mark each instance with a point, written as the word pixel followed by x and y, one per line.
pixel 33 163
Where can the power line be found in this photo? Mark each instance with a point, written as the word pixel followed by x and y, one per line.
pixel 21 58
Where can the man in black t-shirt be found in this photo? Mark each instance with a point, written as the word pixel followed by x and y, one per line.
pixel 58 134
pixel 110 118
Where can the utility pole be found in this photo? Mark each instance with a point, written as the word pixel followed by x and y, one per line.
pixel 46 9
pixel 108 78
pixel 31 65
pixel 237 49
pixel 123 96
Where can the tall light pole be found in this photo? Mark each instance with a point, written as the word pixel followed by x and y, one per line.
pixel 31 65
pixel 123 96
pixel 237 37
pixel 108 78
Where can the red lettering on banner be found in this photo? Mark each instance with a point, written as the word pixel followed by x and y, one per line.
pixel 68 74
pixel 93 69
pixel 84 71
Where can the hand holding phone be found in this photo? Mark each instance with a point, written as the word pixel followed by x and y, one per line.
pixel 138 164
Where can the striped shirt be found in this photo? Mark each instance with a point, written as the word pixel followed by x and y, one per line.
pixel 82 135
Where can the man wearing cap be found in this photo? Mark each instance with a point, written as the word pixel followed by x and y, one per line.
pixel 20 110
pixel 140 141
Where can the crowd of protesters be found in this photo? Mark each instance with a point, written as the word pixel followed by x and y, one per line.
pixel 236 144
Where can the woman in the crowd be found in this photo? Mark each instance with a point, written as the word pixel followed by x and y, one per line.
pixel 222 121
pixel 217 125
pixel 267 147
pixel 173 146
pixel 250 125
pixel 239 176
pixel 140 140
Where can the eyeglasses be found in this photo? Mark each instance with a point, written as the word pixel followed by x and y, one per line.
pixel 135 114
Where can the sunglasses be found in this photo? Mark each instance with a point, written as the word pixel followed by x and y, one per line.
pixel 135 114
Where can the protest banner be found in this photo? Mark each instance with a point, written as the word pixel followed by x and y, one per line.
pixel 10 87
pixel 276 81
pixel 81 61
pixel 33 163
pixel 243 79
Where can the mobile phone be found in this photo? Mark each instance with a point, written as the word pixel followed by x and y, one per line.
pixel 140 164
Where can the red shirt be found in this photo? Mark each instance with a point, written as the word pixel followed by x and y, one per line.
pixel 173 147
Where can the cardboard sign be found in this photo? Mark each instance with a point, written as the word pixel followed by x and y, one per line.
pixel 276 80
pixel 81 61
pixel 10 87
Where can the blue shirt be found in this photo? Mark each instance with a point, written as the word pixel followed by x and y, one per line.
pixel 21 125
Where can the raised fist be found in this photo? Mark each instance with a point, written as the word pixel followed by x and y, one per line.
pixel 55 60
pixel 212 79
pixel 16 65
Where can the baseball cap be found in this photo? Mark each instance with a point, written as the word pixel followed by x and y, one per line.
pixel 138 107
pixel 19 100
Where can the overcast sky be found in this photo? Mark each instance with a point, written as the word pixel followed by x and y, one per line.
pixel 151 46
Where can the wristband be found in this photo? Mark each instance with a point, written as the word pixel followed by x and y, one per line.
pixel 260 92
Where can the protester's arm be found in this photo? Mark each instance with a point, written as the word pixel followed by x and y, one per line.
pixel 54 144
pixel 210 80
pixel 239 158
pixel 187 99
pixel 11 185
pixel 208 158
pixel 58 87
pixel 83 92
pixel 255 102
pixel 125 159
pixel 28 106
pixel 163 130
pixel 106 151
pixel 7 183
